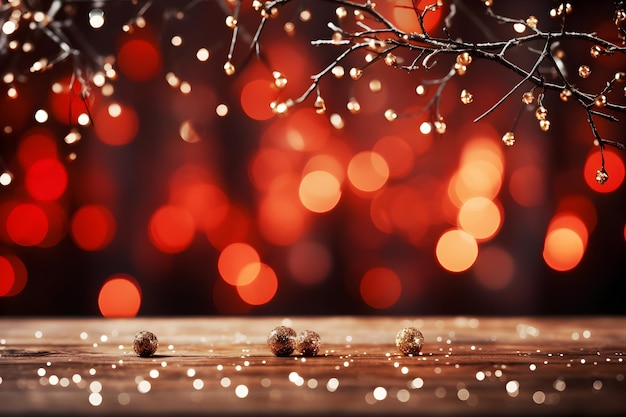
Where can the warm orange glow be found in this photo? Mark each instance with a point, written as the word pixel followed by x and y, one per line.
pixel 309 262
pixel 368 171
pixel 380 288
pixel 262 289
pixel 171 229
pixel 456 250
pixel 27 224
pixel 494 268
pixel 46 179
pixel 582 207
pixel 239 264
pixel 256 97
pixel 282 218
pixel 480 217
pixel 319 191
pixel 476 178
pixel 568 220
pixel 139 60
pixel 92 227
pixel 325 162
pixel 307 130
pixel 207 203
pixel 614 166
pixel 118 130
pixel 563 249
pixel 234 228
pixel 13 275
pixel 120 297
pixel 398 154
pixel 267 165
pixel 35 145
pixel 528 186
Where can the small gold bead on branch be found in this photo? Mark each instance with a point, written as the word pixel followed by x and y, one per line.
pixel 229 68
pixel 466 97
pixel 355 73
pixel 460 69
pixel 601 176
pixel 464 59
pixel 440 126
pixel 600 101
pixel 541 113
pixel 544 125
pixel 508 138
pixel 596 51
pixel 620 76
pixel 528 97
pixel 353 106
pixel 391 115
pixel 565 94
pixel 390 59
pixel 532 22
pixel 319 105
pixel 584 71
pixel 280 81
pixel 231 22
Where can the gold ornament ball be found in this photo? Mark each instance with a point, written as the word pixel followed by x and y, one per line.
pixel 282 341
pixel 308 343
pixel 410 341
pixel 145 344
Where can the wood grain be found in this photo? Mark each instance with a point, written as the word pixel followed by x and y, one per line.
pixel 221 365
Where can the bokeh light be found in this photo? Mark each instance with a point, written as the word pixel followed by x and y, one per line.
pixel 380 288
pixel 118 128
pixel 309 262
pixel 256 97
pixel 239 264
pixel 614 166
pixel 139 59
pixel 171 229
pixel 13 275
pixel 480 217
pixel 119 297
pixel 27 224
pixel 368 171
pixel 262 288
pixel 319 191
pixel 563 249
pixel 36 145
pixel 456 250
pixel 92 227
pixel 46 179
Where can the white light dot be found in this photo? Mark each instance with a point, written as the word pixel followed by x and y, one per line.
pixel 114 110
pixel 96 18
pixel 123 398
pixel 403 395
pixel 241 391
pixel 519 27
pixel 154 373
pixel 76 378
pixel 463 394
pixel 225 382
pixel 559 385
pixel 144 387
pixel 41 116
pixel 191 372
pixel 539 397
pixel 95 399
pixel 221 110
pixel 6 178
pixel 512 387
pixel 417 383
pixel 176 40
pixel 426 128
pixel 379 393
pixel 83 336
pixel 202 54
pixel 480 375
pixel 198 384
pixel 95 386
pixel 332 384
pixel 9 27
pixel 597 385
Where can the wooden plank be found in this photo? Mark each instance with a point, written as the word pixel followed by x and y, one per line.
pixel 222 365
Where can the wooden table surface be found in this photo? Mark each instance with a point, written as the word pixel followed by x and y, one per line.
pixel 221 365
